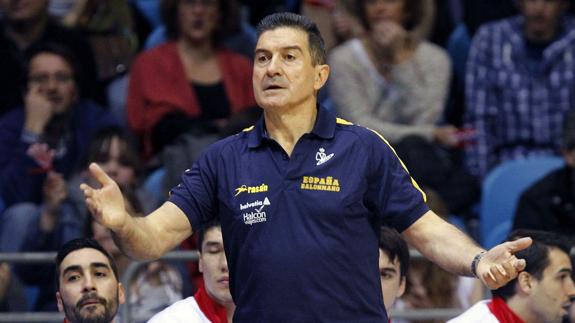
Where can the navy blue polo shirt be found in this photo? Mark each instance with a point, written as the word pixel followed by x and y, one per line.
pixel 301 232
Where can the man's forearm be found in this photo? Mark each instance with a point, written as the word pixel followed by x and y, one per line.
pixel 150 237
pixel 138 240
pixel 443 244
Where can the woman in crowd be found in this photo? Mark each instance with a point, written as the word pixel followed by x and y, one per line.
pixel 395 82
pixel 189 84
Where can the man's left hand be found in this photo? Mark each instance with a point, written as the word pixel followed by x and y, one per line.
pixel 499 265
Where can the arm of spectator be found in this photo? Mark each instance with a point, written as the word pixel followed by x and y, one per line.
pixel 23 162
pixel 454 251
pixel 479 100
pixel 5 277
pixel 73 16
pixel 350 86
pixel 135 103
pixel 55 191
pixel 425 90
pixel 142 238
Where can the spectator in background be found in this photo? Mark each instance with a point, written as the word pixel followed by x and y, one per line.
pixel 541 293
pixel 46 138
pixel 549 204
pixel 394 82
pixel 520 83
pixel 88 285
pixel 63 214
pixel 189 84
pixel 393 266
pixel 334 18
pixel 213 301
pixel 24 24
pixel 391 80
pixel 155 285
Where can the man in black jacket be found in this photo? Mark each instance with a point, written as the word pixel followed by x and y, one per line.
pixel 549 204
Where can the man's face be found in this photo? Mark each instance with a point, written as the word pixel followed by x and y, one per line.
pixel 214 266
pixel 89 291
pixel 541 18
pixel 53 78
pixel 24 10
pixel 198 19
pixel 392 284
pixel 385 10
pixel 550 297
pixel 284 76
pixel 115 165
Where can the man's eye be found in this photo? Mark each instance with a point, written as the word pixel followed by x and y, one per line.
pixel 290 57
pixel 72 278
pixel 100 274
pixel 385 275
pixel 262 58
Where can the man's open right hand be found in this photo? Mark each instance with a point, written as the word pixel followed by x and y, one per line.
pixel 105 203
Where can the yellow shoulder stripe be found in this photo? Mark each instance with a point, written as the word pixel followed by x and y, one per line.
pixel 342 121
pixel 248 129
pixel 413 182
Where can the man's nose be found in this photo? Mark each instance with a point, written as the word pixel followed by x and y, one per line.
pixel 89 283
pixel 274 67
pixel 223 262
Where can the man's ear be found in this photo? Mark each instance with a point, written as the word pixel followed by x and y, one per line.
pixel 524 283
pixel 569 157
pixel 121 294
pixel 200 264
pixel 60 302
pixel 321 76
pixel 402 286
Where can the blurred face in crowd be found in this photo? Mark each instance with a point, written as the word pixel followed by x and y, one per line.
pixel 385 10
pixel 53 77
pixel 114 161
pixel 284 75
pixel 550 296
pixel 24 10
pixel 392 284
pixel 214 266
pixel 541 18
pixel 89 291
pixel 198 19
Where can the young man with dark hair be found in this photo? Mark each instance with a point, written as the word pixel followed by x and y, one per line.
pixel 212 302
pixel 301 197
pixel 542 292
pixel 88 287
pixel 393 266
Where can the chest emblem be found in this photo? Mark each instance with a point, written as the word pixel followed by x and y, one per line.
pixel 311 183
pixel 322 157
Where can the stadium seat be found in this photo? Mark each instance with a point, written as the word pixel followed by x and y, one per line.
pixel 501 190
pixel 154 184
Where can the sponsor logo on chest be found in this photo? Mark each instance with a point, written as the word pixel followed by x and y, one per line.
pixel 255 213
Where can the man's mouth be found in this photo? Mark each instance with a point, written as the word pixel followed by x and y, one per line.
pixel 92 300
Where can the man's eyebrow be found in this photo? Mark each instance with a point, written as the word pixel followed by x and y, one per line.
pixel 294 47
pixel 213 244
pixel 71 268
pixel 565 270
pixel 99 265
pixel 389 269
